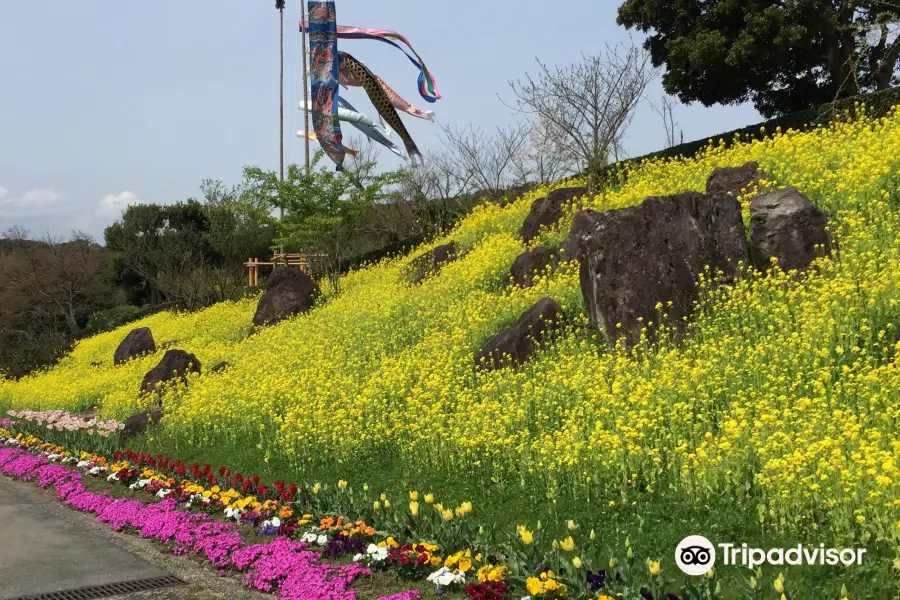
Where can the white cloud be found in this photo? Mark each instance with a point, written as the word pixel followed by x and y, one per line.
pixel 112 206
pixel 33 203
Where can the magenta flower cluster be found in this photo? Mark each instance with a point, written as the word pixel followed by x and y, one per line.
pixel 282 566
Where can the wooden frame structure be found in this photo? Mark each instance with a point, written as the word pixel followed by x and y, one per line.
pixel 280 259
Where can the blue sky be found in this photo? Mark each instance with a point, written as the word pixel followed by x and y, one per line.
pixel 107 103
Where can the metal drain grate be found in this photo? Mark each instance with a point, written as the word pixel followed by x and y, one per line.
pixel 110 589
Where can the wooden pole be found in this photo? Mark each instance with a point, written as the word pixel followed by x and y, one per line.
pixel 305 62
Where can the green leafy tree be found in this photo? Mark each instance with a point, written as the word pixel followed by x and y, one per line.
pixel 324 213
pixel 783 55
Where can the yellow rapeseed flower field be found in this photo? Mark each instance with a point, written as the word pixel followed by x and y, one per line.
pixel 789 386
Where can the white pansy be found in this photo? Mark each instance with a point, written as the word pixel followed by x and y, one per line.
pixel 445 577
pixel 376 553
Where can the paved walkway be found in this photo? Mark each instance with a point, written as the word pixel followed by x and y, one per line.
pixel 46 547
pixel 41 552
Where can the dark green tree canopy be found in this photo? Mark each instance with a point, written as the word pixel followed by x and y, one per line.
pixel 783 55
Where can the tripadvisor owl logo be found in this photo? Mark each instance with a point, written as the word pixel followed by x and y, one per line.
pixel 695 555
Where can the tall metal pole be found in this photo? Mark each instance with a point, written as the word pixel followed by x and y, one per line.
pixel 305 82
pixel 281 98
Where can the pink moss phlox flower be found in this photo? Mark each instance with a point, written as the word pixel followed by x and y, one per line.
pixel 54 475
pixel 407 595
pixel 218 548
pixel 23 466
pixel 321 581
pixel 119 513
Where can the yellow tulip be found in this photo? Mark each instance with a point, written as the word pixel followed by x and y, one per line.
pixel 414 508
pixel 568 544
pixel 576 562
pixel 527 536
pixel 779 586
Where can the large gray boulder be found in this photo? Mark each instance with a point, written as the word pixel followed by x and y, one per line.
pixel 633 258
pixel 288 292
pixel 138 342
pixel 547 211
pixel 515 344
pixel 175 364
pixel 785 225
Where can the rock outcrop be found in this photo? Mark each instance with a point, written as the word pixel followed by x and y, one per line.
pixel 547 211
pixel 730 181
pixel 138 341
pixel 785 225
pixel 531 263
pixel 433 260
pixel 288 292
pixel 515 344
pixel 137 423
pixel 175 364
pixel 219 367
pixel 633 258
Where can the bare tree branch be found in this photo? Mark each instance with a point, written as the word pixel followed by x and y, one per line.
pixel 586 108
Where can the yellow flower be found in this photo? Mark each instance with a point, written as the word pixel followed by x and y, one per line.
pixel 568 544
pixel 414 508
pixel 576 562
pixel 429 498
pixel 571 525
pixel 653 567
pixel 527 536
pixel 414 496
pixel 342 484
pixel 447 515
pixel 779 586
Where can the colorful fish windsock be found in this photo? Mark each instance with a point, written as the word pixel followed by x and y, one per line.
pixel 351 116
pixel 428 88
pixel 380 100
pixel 399 103
pixel 323 61
pixel 312 136
pixel 377 133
